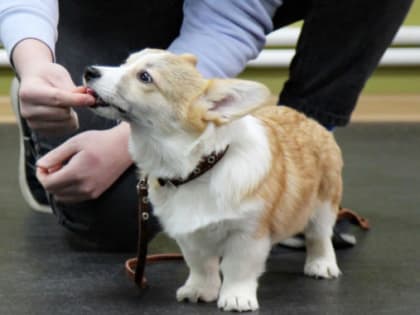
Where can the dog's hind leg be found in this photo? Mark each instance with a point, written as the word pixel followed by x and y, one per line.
pixel 320 255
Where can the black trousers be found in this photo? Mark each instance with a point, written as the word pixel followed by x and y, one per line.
pixel 340 45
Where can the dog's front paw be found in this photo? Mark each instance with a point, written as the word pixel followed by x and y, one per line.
pixel 194 294
pixel 322 268
pixel 238 302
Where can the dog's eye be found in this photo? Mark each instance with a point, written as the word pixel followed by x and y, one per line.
pixel 145 77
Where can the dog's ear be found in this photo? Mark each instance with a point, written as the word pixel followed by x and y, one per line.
pixel 229 99
pixel 192 59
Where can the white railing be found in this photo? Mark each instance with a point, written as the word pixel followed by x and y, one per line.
pixel 407 35
pixel 4 61
pixel 281 57
pixel 394 56
pixel 269 58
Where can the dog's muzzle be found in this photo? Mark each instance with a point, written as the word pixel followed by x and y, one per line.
pixel 91 73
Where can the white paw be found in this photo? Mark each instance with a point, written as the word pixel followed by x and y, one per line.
pixel 322 268
pixel 194 294
pixel 238 302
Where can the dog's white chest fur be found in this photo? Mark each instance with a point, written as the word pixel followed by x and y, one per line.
pixel 186 209
pixel 218 195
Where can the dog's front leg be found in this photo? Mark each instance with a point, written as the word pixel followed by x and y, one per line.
pixel 243 262
pixel 203 282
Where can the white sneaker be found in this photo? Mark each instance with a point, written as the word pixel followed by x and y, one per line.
pixel 31 189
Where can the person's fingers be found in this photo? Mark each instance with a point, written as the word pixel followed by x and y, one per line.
pixel 80 89
pixel 66 184
pixel 41 173
pixel 60 179
pixel 69 175
pixel 44 113
pixel 59 97
pixel 69 183
pixel 52 96
pixel 59 155
pixel 54 169
pixel 66 192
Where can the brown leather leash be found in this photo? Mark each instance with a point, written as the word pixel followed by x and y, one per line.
pixel 135 267
pixel 353 217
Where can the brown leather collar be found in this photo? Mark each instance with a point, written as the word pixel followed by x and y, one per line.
pixel 135 266
pixel 205 164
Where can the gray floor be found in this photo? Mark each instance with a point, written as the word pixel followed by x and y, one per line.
pixel 40 273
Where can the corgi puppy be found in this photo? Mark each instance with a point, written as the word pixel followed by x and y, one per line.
pixel 280 175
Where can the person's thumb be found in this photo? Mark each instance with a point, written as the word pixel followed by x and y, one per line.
pixel 54 159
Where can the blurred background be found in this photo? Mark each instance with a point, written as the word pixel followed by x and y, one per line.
pixel 41 270
pixel 392 93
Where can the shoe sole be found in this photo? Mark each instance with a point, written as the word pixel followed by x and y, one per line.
pixel 23 184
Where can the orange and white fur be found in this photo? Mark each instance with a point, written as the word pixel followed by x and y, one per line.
pixel 280 176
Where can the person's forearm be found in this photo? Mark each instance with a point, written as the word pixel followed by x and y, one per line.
pixel 30 53
pixel 23 19
pixel 224 35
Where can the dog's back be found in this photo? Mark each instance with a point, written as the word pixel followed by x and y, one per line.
pixel 305 171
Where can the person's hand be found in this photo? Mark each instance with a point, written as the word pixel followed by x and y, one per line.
pixel 47 95
pixel 47 92
pixel 86 165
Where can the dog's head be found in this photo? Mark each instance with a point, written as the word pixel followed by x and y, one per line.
pixel 158 89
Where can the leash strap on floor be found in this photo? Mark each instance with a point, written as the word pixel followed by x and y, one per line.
pixel 353 217
pixel 132 264
pixel 135 267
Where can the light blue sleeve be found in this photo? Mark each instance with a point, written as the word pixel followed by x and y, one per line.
pixel 224 35
pixel 20 19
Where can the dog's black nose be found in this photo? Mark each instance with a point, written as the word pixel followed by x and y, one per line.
pixel 91 73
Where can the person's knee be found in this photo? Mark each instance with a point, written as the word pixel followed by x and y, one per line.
pixel 110 221
pixel 105 226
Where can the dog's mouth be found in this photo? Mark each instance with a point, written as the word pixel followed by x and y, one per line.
pixel 101 103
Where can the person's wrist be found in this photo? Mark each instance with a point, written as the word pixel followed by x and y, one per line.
pixel 121 134
pixel 30 55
